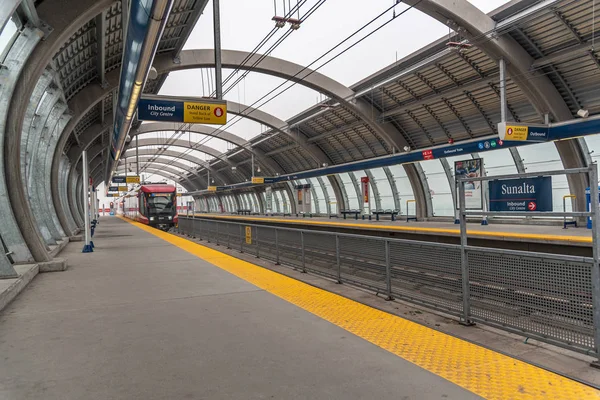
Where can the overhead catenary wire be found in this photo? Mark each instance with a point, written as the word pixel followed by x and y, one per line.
pixel 314 8
pixel 259 45
pixel 243 112
pixel 249 56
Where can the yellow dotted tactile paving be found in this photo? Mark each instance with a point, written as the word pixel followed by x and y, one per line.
pixel 508 235
pixel 479 370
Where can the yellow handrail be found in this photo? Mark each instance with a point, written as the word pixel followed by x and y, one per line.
pixel 573 222
pixel 408 218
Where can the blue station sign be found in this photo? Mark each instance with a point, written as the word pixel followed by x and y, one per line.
pixel 530 194
pixel 119 179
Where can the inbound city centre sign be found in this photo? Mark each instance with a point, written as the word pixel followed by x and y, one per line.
pixel 531 194
pixel 180 109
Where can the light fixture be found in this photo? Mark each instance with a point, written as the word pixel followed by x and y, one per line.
pixel 583 113
pixel 407 148
pixel 325 164
pixel 233 168
pixel 258 169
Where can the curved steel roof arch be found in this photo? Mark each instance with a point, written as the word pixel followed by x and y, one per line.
pixel 194 128
pixel 179 143
pixel 163 168
pixel 144 143
pixel 267 161
pixel 176 154
pixel 190 59
pixel 162 160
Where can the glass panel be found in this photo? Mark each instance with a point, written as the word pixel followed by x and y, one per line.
pixel 320 200
pixel 544 157
pixel 333 206
pixel 278 201
pixel 499 162
pixel 441 196
pixel 7 37
pixel 350 191
pixel 403 186
pixel 286 206
pixel 256 207
pixel 385 189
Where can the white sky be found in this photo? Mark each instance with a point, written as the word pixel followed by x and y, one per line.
pixel 245 23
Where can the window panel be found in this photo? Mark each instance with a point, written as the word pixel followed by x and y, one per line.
pixel 499 162
pixel 286 202
pixel 405 191
pixel 385 190
pixel 350 190
pixel 320 200
pixel 7 37
pixel 441 196
pixel 331 193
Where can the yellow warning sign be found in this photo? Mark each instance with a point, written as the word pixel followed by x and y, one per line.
pixel 516 132
pixel 258 179
pixel 248 235
pixel 204 113
pixel 212 188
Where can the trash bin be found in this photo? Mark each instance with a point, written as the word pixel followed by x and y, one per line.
pixel 588 205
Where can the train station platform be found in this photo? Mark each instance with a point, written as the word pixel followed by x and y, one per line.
pixel 152 315
pixel 530 237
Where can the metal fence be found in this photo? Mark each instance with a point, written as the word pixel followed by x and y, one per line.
pixel 543 296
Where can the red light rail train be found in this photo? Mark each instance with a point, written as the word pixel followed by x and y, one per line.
pixel 152 204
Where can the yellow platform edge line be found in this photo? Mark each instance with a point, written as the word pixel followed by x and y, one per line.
pixel 511 235
pixel 482 371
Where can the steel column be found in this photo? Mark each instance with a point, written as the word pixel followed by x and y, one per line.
pixel 87 247
pixel 464 262
pixel 595 209
pixel 217 41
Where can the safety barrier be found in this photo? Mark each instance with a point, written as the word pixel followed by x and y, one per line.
pixel 543 296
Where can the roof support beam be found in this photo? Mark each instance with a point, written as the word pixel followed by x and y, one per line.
pixel 287 70
pixel 101 49
pixel 27 8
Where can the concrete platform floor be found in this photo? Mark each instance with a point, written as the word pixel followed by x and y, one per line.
pixel 142 319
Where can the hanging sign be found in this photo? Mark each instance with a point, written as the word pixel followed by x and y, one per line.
pixel 531 194
pixel 180 109
pixel 258 180
pixel 520 132
pixel 473 189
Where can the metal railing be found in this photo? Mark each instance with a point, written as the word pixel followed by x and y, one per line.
pixel 553 298
pixel 543 296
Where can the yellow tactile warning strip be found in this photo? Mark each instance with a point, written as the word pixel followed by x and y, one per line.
pixel 416 229
pixel 479 370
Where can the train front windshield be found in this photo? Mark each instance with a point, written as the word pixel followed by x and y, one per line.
pixel 161 203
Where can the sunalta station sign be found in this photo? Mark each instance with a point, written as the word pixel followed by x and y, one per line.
pixel 532 194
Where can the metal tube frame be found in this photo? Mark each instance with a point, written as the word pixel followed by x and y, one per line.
pixel 87 247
